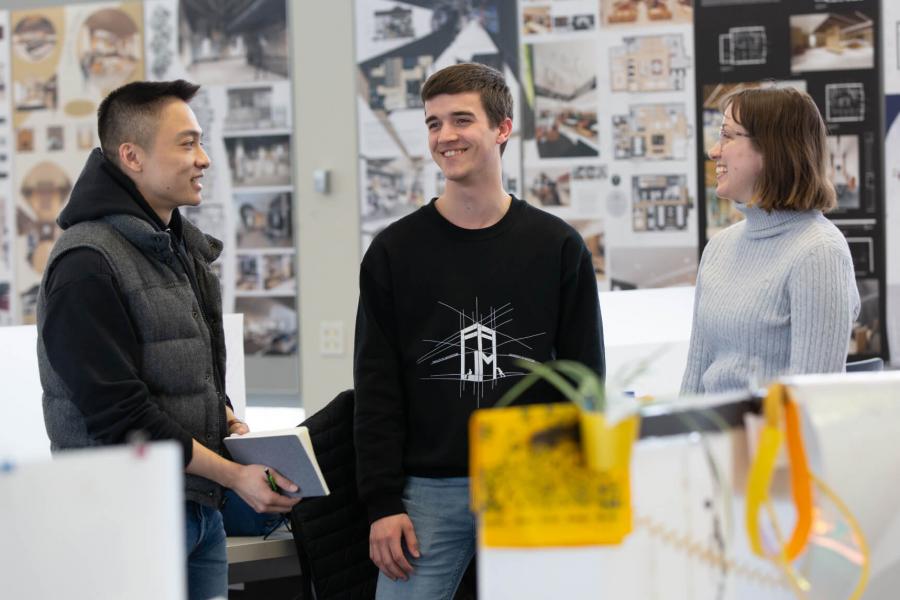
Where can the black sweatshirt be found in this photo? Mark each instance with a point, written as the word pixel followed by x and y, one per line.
pixel 444 313
pixel 85 311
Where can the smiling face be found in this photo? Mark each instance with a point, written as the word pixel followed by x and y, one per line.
pixel 461 138
pixel 738 163
pixel 172 166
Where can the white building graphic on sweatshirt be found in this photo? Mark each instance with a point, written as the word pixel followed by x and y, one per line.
pixel 475 350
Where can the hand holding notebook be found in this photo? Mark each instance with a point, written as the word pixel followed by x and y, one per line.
pixel 288 451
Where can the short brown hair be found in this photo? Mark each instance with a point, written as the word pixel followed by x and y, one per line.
pixel 496 98
pixel 786 127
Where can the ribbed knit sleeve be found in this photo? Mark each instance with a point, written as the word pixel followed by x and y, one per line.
pixel 824 303
pixel 698 354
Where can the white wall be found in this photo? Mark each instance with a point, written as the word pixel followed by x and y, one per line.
pixel 327 225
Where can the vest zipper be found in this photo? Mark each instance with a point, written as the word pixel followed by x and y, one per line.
pixel 217 377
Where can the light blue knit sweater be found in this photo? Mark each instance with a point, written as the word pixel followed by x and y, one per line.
pixel 776 295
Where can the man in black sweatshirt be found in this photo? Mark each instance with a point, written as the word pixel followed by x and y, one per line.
pixel 451 297
pixel 129 314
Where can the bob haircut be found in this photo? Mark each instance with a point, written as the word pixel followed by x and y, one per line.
pixel 785 126
pixel 496 99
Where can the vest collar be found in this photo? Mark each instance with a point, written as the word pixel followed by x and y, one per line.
pixel 158 243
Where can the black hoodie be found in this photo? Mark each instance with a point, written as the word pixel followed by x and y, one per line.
pixel 87 331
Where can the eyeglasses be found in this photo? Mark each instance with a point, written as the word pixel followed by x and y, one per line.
pixel 726 136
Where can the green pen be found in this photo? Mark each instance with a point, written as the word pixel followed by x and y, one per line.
pixel 272 483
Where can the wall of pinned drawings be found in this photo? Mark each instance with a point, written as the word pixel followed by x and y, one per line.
pixel 56 65
pixel 617 105
pixel 604 132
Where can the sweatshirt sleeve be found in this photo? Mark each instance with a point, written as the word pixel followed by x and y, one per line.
pixel 380 416
pixel 824 304
pixel 92 346
pixel 580 330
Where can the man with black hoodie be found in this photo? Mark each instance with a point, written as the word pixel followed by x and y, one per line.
pixel 130 316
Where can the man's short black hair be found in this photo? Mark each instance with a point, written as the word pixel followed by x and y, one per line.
pixel 129 113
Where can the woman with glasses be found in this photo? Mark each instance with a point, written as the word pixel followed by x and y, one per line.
pixel 775 292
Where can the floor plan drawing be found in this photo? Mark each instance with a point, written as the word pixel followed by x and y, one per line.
pixel 652 132
pixel 652 63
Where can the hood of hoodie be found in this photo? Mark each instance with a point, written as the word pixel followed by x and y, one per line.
pixel 103 189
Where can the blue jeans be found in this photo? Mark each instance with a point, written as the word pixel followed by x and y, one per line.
pixel 445 528
pixel 207 558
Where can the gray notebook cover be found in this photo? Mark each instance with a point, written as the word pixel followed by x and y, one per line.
pixel 285 454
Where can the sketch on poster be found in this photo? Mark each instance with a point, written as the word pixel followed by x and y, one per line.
pixel 25 139
pixel 861 238
pixel 84 136
pixel 262 160
pixel 842 169
pixel 248 277
pixel 270 325
pixel 394 23
pixel 161 25
pixel 832 42
pixel 109 49
pixel 33 92
pixel 660 202
pixel 845 102
pixel 243 42
pixel 862 249
pixel 652 63
pixel 34 38
pixel 558 16
pixel 865 337
pixel 588 184
pixel 594 233
pixel 641 267
pixel 652 132
pixel 383 25
pixel 265 274
pixel 55 138
pixel 394 188
pixel 258 107
pixel 5 262
pixel 264 220
pixel 6 317
pixel 279 273
pixel 743 46
pixel 548 186
pixel 565 99
pixel 646 12
pixel 45 189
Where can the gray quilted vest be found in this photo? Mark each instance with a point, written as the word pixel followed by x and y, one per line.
pixel 176 341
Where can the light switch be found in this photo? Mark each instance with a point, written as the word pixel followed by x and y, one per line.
pixel 322 181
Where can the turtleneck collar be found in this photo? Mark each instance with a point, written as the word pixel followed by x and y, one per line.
pixel 762 224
